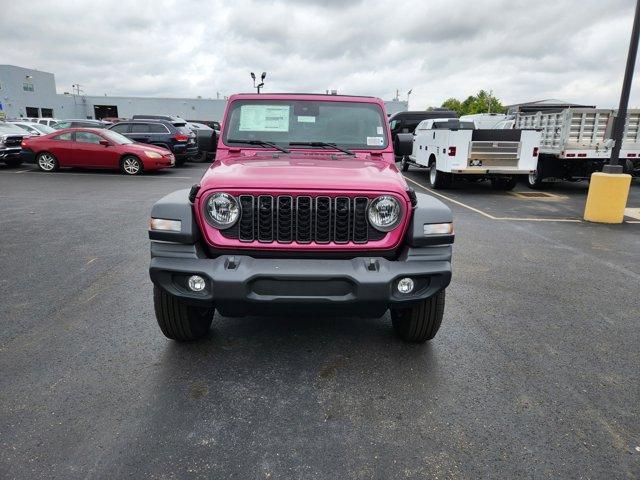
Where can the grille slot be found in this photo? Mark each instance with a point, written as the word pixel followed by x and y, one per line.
pixel 303 219
pixel 265 218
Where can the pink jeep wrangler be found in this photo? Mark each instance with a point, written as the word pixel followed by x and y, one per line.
pixel 302 210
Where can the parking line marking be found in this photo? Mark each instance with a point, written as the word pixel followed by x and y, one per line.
pixel 488 215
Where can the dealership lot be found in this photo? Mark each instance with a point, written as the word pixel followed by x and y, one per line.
pixel 533 374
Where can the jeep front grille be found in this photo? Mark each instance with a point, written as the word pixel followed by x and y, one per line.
pixel 303 219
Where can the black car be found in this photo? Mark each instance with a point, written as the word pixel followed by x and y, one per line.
pixel 406 122
pixel 207 140
pixel 11 137
pixel 80 123
pixel 174 136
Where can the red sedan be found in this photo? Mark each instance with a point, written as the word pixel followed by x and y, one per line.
pixel 95 148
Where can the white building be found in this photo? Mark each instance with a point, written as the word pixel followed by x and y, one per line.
pixel 31 93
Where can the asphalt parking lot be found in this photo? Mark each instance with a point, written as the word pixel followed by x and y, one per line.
pixel 534 373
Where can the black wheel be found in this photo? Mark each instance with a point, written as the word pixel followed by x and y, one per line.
pixel 179 321
pixel 504 184
pixel 405 164
pixel 47 162
pixel 420 322
pixel 534 180
pixel 438 179
pixel 131 165
pixel 13 162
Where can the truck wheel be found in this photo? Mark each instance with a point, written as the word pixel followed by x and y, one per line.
pixel 47 162
pixel 504 184
pixel 179 321
pixel 131 165
pixel 421 321
pixel 438 179
pixel 534 180
pixel 405 164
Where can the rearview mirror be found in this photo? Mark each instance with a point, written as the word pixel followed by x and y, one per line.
pixel 105 143
pixel 403 144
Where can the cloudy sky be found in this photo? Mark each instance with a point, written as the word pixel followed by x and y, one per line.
pixel 522 50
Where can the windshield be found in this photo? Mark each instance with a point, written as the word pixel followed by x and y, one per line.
pixel 285 122
pixel 43 128
pixel 115 137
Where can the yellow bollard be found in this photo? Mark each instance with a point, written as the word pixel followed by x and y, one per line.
pixel 607 197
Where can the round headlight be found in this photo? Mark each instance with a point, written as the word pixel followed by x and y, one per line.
pixel 222 210
pixel 384 213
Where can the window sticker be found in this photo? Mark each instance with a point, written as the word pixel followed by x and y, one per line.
pixel 379 131
pixel 375 141
pixel 306 119
pixel 264 118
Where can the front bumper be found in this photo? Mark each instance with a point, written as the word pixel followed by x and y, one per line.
pixel 242 285
pixel 10 152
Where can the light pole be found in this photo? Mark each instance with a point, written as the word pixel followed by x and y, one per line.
pixel 409 95
pixel 619 121
pixel 261 84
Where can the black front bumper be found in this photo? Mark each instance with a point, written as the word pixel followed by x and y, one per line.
pixel 242 285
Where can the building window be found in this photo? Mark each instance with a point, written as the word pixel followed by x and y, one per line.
pixel 32 112
pixel 27 87
pixel 46 112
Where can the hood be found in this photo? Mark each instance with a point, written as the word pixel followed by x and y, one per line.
pixel 303 171
pixel 144 146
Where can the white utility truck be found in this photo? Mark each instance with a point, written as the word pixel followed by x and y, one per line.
pixel 577 142
pixel 450 148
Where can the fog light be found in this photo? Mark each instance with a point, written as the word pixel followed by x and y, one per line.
pixel 196 283
pixel 405 285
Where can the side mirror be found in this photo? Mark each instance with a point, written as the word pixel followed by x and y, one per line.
pixel 403 145
pixel 105 143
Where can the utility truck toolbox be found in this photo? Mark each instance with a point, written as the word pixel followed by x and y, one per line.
pixel 303 211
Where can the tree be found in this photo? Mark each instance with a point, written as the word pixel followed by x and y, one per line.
pixel 482 102
pixel 453 104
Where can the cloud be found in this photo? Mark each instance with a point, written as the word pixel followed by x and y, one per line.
pixel 522 50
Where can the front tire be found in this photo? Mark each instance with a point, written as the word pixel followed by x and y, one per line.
pixel 421 321
pixel 131 165
pixel 47 162
pixel 13 162
pixel 179 321
pixel 405 164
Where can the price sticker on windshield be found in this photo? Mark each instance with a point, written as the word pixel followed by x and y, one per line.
pixel 375 141
pixel 264 118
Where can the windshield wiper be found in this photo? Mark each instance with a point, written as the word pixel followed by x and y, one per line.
pixel 323 145
pixel 258 142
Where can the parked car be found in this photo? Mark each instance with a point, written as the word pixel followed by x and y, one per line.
pixel 168 118
pixel 113 119
pixel 49 122
pixel 33 128
pixel 80 123
pixel 174 136
pixel 406 122
pixel 207 139
pixel 452 148
pixel 304 210
pixel 11 137
pixel 209 123
pixel 95 148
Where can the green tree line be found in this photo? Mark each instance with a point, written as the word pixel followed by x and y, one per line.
pixel 482 102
